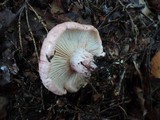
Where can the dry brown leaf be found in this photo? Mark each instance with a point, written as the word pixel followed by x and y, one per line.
pixel 155 65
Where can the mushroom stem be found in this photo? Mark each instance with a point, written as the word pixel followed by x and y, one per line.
pixel 82 62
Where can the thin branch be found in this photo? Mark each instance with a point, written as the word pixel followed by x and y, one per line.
pixel 32 36
pixel 94 89
pixel 119 86
pixel 4 3
pixel 134 27
pixel 19 31
pixel 139 72
pixel 39 17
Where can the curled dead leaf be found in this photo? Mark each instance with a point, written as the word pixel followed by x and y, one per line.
pixel 155 65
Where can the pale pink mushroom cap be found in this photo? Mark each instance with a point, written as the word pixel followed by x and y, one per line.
pixel 66 58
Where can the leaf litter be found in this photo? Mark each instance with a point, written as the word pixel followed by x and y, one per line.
pixel 121 88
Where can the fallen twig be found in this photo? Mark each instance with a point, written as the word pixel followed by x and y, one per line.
pixel 32 36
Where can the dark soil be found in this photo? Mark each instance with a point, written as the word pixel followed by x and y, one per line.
pixel 122 88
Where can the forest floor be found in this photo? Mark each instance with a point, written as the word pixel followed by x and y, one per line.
pixel 122 88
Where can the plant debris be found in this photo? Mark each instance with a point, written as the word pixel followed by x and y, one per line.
pixel 121 88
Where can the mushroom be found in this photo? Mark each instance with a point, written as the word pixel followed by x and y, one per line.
pixel 66 58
